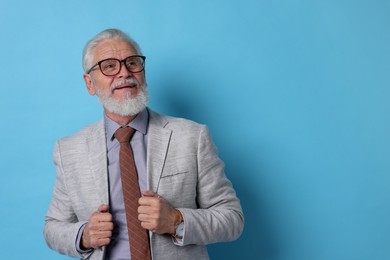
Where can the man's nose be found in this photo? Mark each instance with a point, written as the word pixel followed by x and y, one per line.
pixel 124 72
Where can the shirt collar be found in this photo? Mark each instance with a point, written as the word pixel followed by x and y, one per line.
pixel 139 123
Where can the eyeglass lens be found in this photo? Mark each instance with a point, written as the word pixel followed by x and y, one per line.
pixel 111 67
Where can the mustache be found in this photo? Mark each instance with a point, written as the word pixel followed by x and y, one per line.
pixel 121 82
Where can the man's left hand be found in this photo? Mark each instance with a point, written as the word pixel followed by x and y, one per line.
pixel 156 214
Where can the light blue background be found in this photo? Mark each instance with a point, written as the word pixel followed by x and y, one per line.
pixel 296 95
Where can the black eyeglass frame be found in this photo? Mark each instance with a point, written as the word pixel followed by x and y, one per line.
pixel 120 64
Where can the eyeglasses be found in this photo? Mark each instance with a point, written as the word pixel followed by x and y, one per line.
pixel 112 66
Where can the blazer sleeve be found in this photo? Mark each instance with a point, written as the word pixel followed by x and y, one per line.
pixel 61 223
pixel 219 216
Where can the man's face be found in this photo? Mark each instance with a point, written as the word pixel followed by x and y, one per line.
pixel 114 88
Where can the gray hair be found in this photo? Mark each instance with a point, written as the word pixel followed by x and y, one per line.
pixel 105 35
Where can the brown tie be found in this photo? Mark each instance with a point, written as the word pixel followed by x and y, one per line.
pixel 138 236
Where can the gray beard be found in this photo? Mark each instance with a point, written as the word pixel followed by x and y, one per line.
pixel 127 107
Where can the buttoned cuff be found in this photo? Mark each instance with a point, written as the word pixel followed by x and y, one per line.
pixel 78 241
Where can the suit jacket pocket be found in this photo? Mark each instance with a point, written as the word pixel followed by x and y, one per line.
pixel 173 172
pixel 178 187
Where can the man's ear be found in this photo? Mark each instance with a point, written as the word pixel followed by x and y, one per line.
pixel 89 84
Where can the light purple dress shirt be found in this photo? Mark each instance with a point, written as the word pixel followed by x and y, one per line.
pixel 119 245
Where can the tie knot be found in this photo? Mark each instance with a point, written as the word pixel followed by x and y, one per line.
pixel 124 134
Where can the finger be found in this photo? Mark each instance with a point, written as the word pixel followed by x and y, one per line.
pixel 104 241
pixel 100 217
pixel 147 209
pixel 145 217
pixel 105 226
pixel 103 208
pixel 99 233
pixel 152 226
pixel 148 226
pixel 150 200
pixel 149 193
pixel 94 228
pixel 146 201
pixel 105 217
pixel 104 234
pixel 99 242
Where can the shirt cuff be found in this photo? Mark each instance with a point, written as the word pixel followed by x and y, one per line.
pixel 78 241
pixel 179 241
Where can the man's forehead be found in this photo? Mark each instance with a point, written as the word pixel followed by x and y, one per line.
pixel 113 48
pixel 116 51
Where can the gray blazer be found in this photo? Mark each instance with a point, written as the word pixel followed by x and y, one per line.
pixel 182 166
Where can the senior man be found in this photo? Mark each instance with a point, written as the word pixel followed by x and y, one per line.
pixel 136 184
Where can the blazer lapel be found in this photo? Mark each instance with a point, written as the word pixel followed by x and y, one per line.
pixel 98 161
pixel 158 142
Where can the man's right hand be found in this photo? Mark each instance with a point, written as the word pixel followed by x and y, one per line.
pixel 98 231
